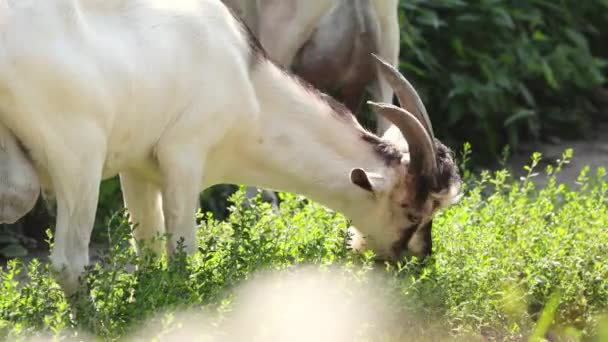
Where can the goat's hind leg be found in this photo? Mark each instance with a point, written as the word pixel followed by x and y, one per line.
pixel 182 178
pixel 143 200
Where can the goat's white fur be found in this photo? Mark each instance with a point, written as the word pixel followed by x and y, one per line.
pixel 163 92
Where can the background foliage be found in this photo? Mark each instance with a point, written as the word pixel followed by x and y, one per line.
pixel 495 72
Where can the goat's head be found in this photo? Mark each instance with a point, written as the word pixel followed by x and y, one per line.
pixel 404 196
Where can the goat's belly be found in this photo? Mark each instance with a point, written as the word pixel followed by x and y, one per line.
pixel 145 168
pixel 19 184
pixel 337 54
pixel 131 155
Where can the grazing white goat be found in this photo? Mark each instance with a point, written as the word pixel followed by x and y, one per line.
pixel 176 96
pixel 329 43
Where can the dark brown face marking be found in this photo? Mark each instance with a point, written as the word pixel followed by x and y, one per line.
pixel 385 150
pixel 401 244
pixel 447 172
pixel 422 186
pixel 425 234
pixel 445 176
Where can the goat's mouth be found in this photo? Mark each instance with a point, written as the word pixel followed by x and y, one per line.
pixel 360 243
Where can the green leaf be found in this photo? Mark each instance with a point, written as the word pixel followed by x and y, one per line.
pixel 518 115
pixel 503 18
pixel 539 36
pixel 549 77
pixel 526 94
pixel 430 18
pixel 577 38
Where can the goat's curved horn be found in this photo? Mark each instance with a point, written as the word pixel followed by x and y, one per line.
pixel 421 147
pixel 407 95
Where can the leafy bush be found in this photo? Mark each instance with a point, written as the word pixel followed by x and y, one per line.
pixel 505 256
pixel 511 261
pixel 492 72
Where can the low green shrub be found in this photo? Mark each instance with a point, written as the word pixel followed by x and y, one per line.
pixel 511 261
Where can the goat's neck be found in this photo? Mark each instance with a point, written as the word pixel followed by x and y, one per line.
pixel 300 144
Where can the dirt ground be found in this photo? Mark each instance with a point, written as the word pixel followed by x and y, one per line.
pixel 592 151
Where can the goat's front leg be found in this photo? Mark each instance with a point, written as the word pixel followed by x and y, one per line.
pixel 182 177
pixel 75 178
pixel 143 200
pixel 389 51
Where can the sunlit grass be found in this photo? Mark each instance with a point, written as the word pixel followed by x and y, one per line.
pixel 511 262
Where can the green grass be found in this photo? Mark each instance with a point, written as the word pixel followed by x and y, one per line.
pixel 511 262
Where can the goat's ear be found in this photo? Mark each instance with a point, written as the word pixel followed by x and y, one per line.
pixel 365 180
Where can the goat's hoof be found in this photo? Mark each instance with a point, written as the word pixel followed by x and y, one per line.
pixel 68 280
